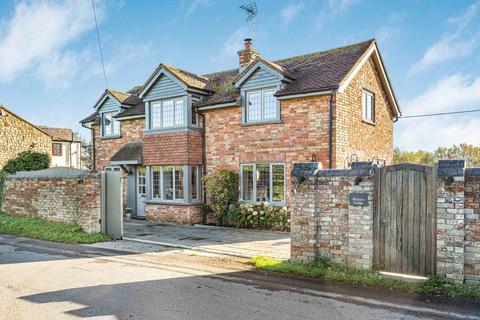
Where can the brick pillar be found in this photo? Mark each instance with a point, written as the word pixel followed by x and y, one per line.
pixel 451 220
pixel 472 226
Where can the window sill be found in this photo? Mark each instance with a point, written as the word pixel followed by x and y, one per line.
pixel 173 203
pixel 248 124
pixel 110 137
pixel 172 129
pixel 369 122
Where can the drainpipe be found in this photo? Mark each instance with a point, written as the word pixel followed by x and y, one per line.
pixel 93 145
pixel 330 131
pixel 204 154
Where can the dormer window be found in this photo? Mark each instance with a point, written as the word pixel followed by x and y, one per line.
pixel 110 125
pixel 167 114
pixel 261 106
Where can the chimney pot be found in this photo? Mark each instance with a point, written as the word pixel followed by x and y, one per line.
pixel 247 55
pixel 248 43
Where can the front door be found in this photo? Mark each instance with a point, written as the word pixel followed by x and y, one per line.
pixel 141 191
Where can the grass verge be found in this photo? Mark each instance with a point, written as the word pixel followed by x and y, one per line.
pixel 324 268
pixel 38 228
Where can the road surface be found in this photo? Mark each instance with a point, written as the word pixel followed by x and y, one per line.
pixel 42 280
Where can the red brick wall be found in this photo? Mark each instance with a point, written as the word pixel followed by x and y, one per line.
pixel 352 135
pixel 131 130
pixel 174 213
pixel 303 132
pixel 472 229
pixel 181 147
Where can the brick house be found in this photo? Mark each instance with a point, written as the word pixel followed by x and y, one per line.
pixel 18 135
pixel 332 106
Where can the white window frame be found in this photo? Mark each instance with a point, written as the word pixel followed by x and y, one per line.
pixel 365 116
pixel 186 180
pixel 161 103
pixel 255 177
pixel 111 125
pixel 262 106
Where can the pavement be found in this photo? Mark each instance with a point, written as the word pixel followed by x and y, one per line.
pixel 45 280
pixel 210 239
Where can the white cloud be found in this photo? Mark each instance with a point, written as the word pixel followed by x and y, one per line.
pixel 455 45
pixel 37 36
pixel 333 9
pixel 234 42
pixel 291 11
pixel 194 5
pixel 452 93
pixel 386 33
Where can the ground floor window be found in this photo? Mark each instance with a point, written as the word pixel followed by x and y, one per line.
pixel 263 182
pixel 180 183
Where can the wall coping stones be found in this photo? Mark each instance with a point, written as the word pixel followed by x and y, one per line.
pixel 51 173
pixel 309 169
pixel 451 168
pixel 472 171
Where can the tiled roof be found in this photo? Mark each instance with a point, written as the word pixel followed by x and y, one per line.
pixel 59 134
pixel 132 151
pixel 136 110
pixel 120 96
pixel 190 79
pixel 90 118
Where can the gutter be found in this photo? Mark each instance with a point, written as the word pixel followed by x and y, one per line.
pixel 330 131
pixel 93 146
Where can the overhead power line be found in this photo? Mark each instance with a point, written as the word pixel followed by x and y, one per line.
pixel 99 44
pixel 439 114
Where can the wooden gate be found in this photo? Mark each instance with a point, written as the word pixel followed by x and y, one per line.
pixel 405 219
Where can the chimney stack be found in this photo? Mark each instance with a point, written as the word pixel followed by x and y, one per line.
pixel 247 55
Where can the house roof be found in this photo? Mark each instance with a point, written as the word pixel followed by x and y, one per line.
pixel 136 110
pixel 22 119
pixel 130 152
pixel 90 118
pixel 60 134
pixel 314 72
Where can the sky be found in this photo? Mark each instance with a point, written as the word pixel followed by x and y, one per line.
pixel 51 74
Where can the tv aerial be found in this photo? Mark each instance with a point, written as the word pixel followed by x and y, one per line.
pixel 251 10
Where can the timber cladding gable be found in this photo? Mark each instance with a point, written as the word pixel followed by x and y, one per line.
pixel 18 135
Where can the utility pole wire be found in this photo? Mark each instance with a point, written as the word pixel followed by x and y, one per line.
pixel 439 114
pixel 100 45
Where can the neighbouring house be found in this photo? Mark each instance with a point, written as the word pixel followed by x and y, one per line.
pixel 334 107
pixel 18 135
pixel 66 147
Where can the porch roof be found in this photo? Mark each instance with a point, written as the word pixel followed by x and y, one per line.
pixel 130 153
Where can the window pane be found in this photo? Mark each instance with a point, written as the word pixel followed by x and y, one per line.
pixel 107 124
pixel 278 182
pixel 156 182
pixel 116 126
pixel 178 182
pixel 263 182
pixel 179 112
pixel 194 116
pixel 247 182
pixel 168 115
pixel 194 183
pixel 168 182
pixel 254 111
pixel 155 111
pixel 269 105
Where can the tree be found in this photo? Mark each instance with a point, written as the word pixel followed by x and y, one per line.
pixel 27 161
pixel 469 153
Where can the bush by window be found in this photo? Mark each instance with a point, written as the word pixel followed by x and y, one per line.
pixel 222 191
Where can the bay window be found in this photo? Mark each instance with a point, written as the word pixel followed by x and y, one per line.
pixel 263 182
pixel 176 183
pixel 167 114
pixel 110 125
pixel 261 106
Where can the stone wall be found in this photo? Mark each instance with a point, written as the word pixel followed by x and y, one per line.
pixel 18 135
pixel 75 200
pixel 324 223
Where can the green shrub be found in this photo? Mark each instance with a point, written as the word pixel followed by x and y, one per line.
pixel 27 161
pixel 3 175
pixel 222 191
pixel 263 216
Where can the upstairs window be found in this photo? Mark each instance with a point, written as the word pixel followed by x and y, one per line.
pixel 167 114
pixel 262 106
pixel 110 125
pixel 57 149
pixel 368 106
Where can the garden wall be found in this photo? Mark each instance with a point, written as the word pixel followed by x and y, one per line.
pixel 58 194
pixel 327 221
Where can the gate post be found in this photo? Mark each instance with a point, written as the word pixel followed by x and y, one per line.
pixel 451 219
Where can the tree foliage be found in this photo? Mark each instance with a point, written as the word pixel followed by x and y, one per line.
pixel 27 161
pixel 469 153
